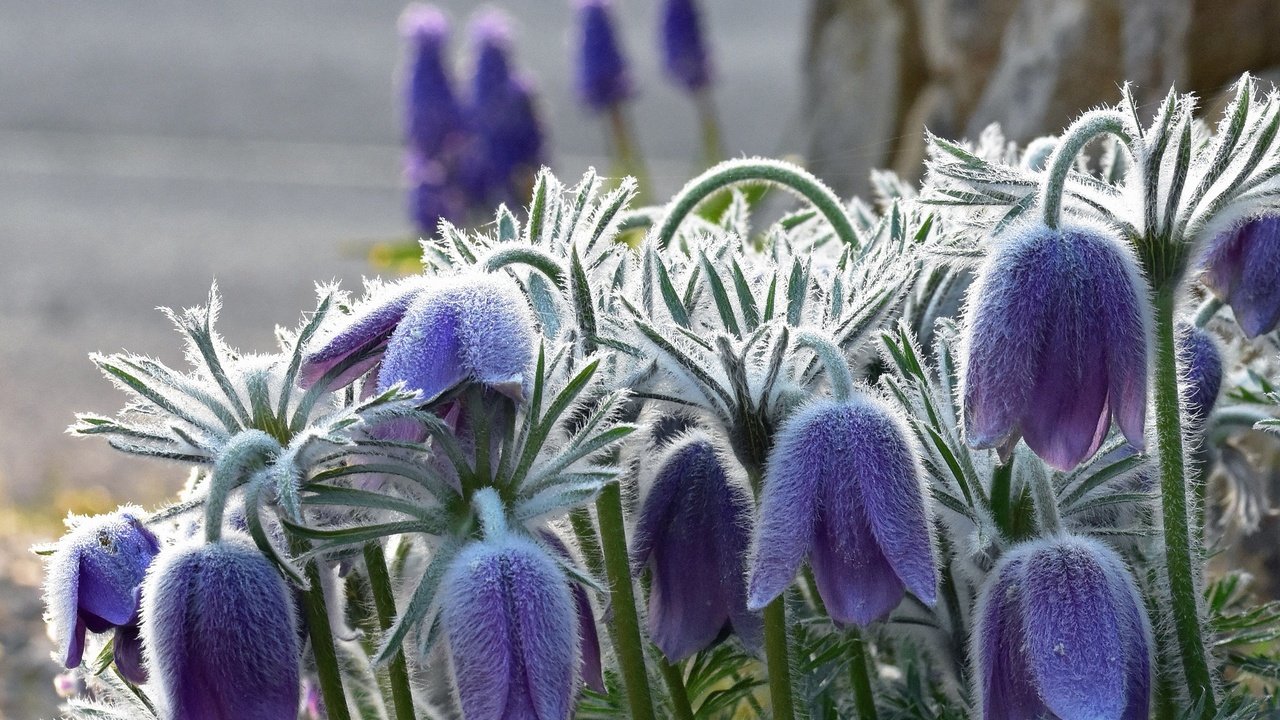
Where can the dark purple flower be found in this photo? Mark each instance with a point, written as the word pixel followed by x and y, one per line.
pixel 1242 267
pixel 504 113
pixel 509 620
pixel 433 119
pixel 433 334
pixel 1057 338
pixel 220 633
pixel 93 583
pixel 1062 633
pixel 1201 365
pixel 603 77
pixel 590 669
pixel 693 533
pixel 684 49
pixel 844 488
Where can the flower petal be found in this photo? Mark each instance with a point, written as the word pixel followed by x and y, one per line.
pixel 855 580
pixel 543 622
pixel 474 616
pixel 1004 687
pixel 1073 631
pixel 1256 299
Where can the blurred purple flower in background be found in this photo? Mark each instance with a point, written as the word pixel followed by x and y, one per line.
pixel 604 79
pixel 1062 632
pixel 684 48
pixel 693 533
pixel 1242 267
pixel 220 633
pixel 504 114
pixel 93 582
pixel 1057 336
pixel 844 487
pixel 1200 361
pixel 433 121
pixel 509 620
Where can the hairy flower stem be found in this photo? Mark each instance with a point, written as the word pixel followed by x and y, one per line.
pixel 322 647
pixel 781 173
pixel 674 677
pixel 384 601
pixel 778 659
pixel 1083 131
pixel 1046 501
pixel 860 677
pixel 1179 555
pixel 627 642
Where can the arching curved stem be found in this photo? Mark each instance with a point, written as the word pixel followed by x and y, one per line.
pixel 1082 132
pixel 245 453
pixel 792 177
pixel 833 361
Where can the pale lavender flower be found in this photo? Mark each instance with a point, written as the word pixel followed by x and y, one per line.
pixel 509 621
pixel 1242 267
pixel 1062 633
pixel 92 584
pixel 693 533
pixel 603 77
pixel 432 335
pixel 220 633
pixel 1057 341
pixel 844 488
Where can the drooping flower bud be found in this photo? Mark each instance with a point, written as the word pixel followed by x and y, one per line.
pixel 433 118
pixel 505 113
pixel 434 334
pixel 844 487
pixel 220 633
pixel 693 533
pixel 468 327
pixel 603 77
pixel 1062 633
pixel 684 48
pixel 508 618
pixel 92 584
pixel 1242 267
pixel 1201 364
pixel 1057 335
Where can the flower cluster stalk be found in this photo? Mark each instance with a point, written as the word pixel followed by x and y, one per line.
pixel 627 642
pixel 384 601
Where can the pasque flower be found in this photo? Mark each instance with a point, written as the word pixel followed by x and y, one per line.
pixel 590 668
pixel 603 77
pixel 693 533
pixel 1242 267
pixel 93 583
pixel 684 48
pixel 1200 361
pixel 1057 342
pixel 432 335
pixel 843 486
pixel 1062 633
pixel 220 633
pixel 509 621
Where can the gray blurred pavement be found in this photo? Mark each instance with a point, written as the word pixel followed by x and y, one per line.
pixel 147 148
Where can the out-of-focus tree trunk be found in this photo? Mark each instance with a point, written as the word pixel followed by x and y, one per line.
pixel 878 72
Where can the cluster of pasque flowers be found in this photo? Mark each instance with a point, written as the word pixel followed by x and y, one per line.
pixel 507 476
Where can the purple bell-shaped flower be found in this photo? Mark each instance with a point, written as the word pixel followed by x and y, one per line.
pixel 844 487
pixel 93 582
pixel 694 533
pixel 509 621
pixel 591 668
pixel 603 77
pixel 1242 267
pixel 684 48
pixel 433 334
pixel 1200 361
pixel 1061 633
pixel 220 633
pixel 1057 338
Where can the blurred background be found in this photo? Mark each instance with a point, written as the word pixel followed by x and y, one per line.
pixel 148 148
